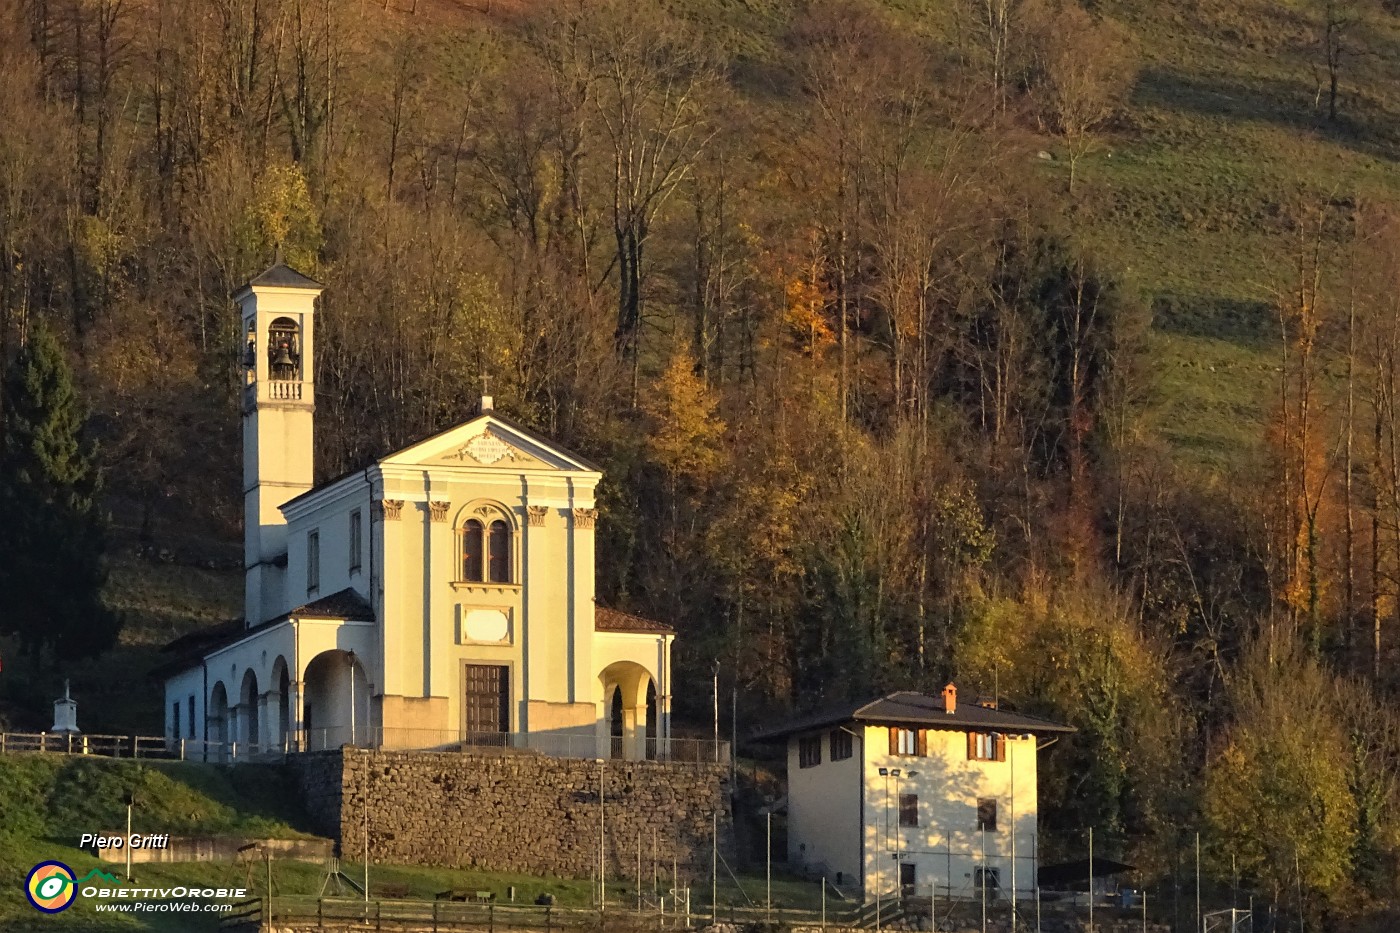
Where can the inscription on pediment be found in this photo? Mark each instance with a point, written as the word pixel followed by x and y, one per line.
pixel 488 449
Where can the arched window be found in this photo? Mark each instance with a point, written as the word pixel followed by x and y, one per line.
pixel 500 552
pixel 284 350
pixel 473 549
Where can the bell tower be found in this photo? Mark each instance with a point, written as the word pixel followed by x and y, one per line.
pixel 277 310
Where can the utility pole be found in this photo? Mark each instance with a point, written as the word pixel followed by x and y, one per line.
pixel 366 809
pixel 602 843
pixel 716 691
pixel 130 799
pixel 1091 880
pixel 714 867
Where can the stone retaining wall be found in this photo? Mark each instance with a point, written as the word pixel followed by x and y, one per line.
pixel 517 813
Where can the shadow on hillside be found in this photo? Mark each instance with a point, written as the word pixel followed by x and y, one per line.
pixel 1289 104
pixel 1240 321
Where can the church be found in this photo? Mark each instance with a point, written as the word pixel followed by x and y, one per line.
pixel 441 597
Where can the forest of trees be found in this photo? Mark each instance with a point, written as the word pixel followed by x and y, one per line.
pixel 871 409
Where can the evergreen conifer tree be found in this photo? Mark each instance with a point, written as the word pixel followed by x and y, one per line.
pixel 52 530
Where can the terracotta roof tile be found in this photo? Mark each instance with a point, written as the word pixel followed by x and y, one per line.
pixel 346 604
pixel 615 620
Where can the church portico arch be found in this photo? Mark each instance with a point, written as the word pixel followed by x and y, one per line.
pixel 249 731
pixel 279 707
pixel 626 686
pixel 336 701
pixel 217 720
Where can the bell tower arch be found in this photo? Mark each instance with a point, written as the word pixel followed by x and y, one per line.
pixel 277 311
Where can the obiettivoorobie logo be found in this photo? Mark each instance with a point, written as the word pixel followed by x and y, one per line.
pixel 51 887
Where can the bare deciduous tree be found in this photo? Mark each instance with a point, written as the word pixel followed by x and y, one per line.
pixel 1089 67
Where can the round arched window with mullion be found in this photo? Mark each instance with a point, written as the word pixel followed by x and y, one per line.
pixel 486 551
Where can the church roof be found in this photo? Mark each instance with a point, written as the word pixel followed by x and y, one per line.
pixel 346 604
pixel 908 708
pixel 281 275
pixel 615 620
pixel 189 648
pixel 517 427
pixel 527 433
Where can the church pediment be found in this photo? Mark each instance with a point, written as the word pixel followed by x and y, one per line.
pixel 492 443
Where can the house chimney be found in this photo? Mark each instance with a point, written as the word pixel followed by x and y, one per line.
pixel 950 699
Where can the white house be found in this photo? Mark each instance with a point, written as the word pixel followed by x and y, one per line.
pixel 443 594
pixel 907 794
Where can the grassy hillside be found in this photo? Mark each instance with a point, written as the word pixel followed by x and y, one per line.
pixel 50 800
pixel 1223 136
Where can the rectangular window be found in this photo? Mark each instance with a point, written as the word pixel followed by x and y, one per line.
pixel 191 708
pixel 908 809
pixel 908 742
pixel 809 751
pixel 355 541
pixel 989 878
pixel 986 814
pixel 841 745
pixel 986 746
pixel 175 719
pixel 313 562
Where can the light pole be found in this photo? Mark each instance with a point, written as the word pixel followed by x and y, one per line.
pixel 880 855
pixel 350 658
pixel 899 830
pixel 130 801
pixel 602 843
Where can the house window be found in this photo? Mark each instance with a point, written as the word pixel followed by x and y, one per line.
pixel 841 745
pixel 986 746
pixel 986 814
pixel 190 706
pixel 809 751
pixel 908 742
pixel 988 878
pixel 908 880
pixel 499 552
pixel 908 809
pixel 313 562
pixel 175 719
pixel 355 541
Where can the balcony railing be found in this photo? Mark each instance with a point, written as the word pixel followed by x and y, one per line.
pixel 280 391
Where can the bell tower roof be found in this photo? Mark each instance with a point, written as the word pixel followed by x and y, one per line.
pixel 281 275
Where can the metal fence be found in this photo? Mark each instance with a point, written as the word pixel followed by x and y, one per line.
pixel 459 911
pixel 548 744
pixel 443 914
pixel 107 746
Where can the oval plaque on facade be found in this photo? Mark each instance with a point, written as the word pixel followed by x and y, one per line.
pixel 486 625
